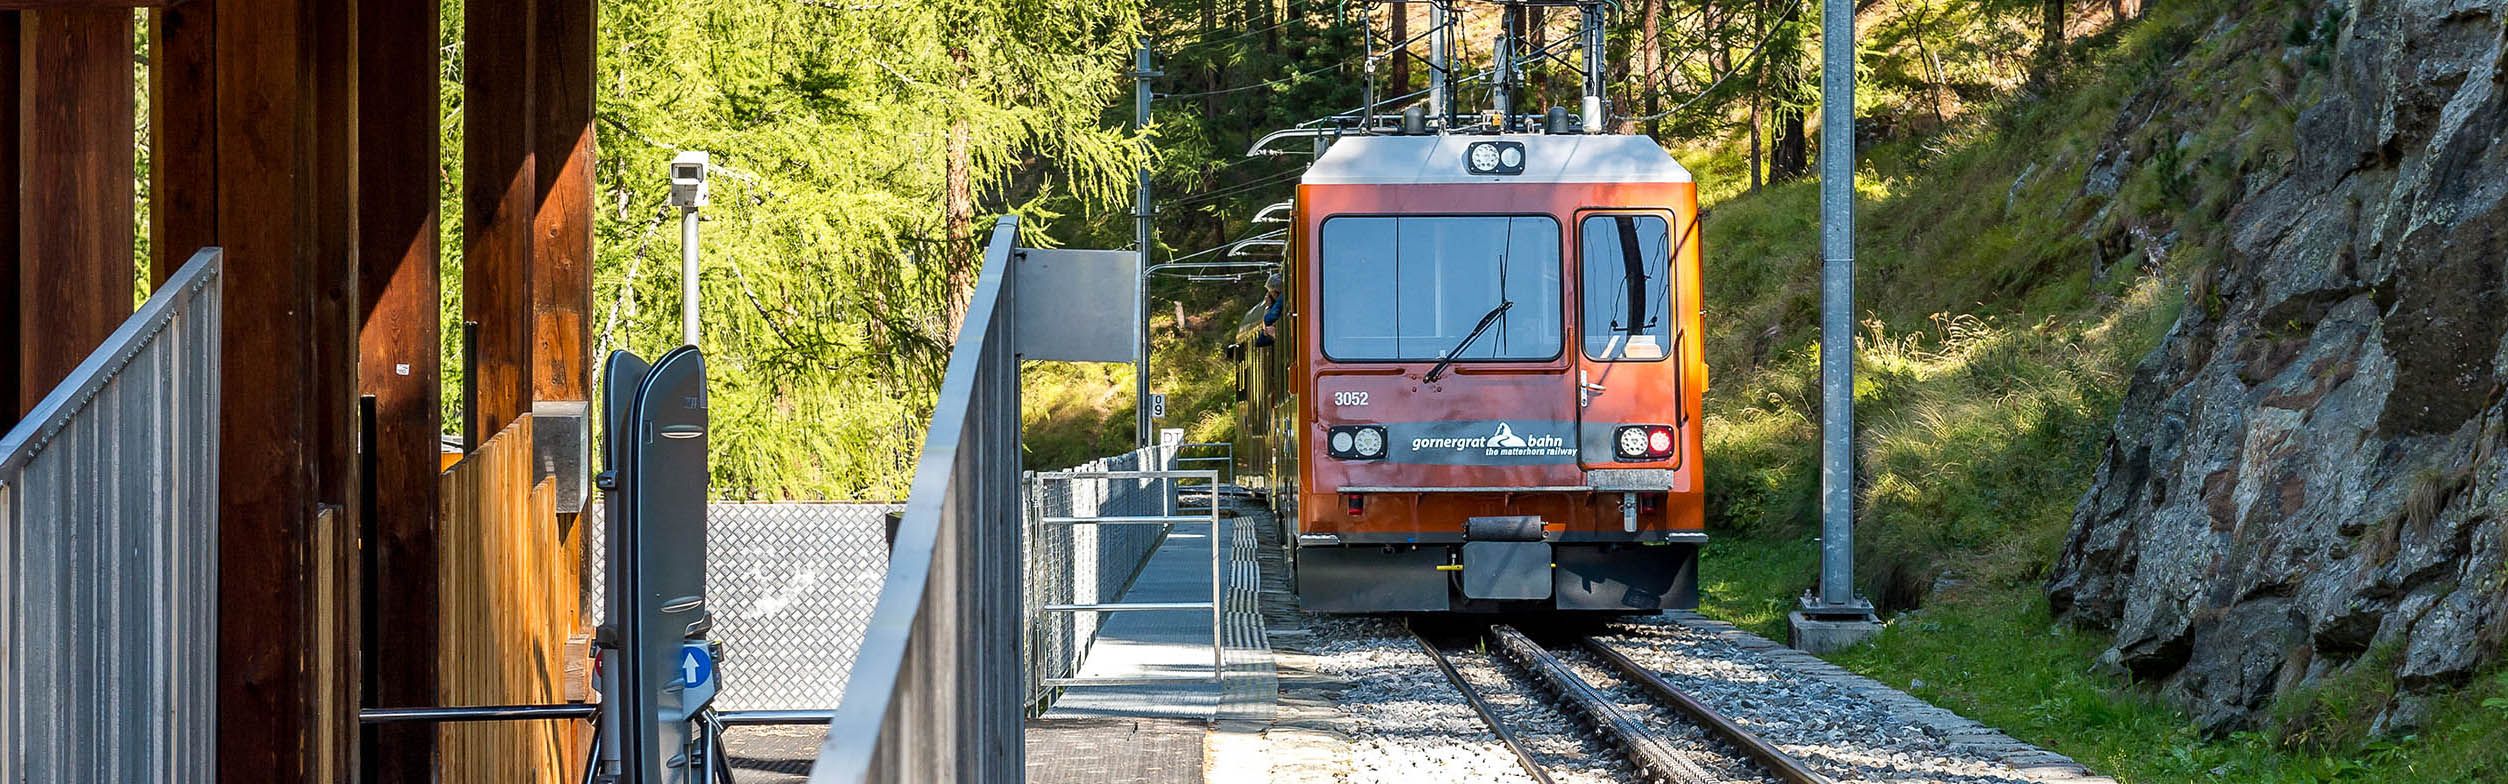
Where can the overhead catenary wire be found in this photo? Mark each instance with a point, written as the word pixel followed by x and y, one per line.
pixel 1236 189
pixel 1710 89
pixel 1258 85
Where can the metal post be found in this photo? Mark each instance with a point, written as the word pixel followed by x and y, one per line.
pixel 688 275
pixel 1141 240
pixel 1440 24
pixel 1596 71
pixel 1837 308
pixel 1218 603
pixel 1502 93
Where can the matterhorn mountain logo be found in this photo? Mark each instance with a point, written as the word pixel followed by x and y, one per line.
pixel 1506 437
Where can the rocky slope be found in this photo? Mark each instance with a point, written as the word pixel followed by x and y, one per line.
pixel 2306 476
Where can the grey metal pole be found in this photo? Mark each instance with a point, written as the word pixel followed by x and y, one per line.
pixel 1594 107
pixel 1502 93
pixel 688 275
pixel 1141 240
pixel 1837 304
pixel 1439 61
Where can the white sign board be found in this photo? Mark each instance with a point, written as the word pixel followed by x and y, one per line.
pixel 1171 437
pixel 1158 406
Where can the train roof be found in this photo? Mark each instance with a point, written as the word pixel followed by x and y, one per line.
pixel 1564 158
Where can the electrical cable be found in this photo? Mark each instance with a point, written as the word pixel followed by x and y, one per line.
pixel 1710 89
pixel 1258 85
pixel 1236 189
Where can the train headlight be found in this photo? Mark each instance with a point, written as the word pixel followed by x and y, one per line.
pixel 1357 442
pixel 1645 442
pixel 1494 158
pixel 1632 442
pixel 1371 442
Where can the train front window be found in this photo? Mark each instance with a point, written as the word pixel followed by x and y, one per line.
pixel 1413 288
pixel 1627 285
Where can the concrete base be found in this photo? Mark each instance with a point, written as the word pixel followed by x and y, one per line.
pixel 1827 635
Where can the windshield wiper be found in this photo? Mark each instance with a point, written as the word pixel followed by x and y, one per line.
pixel 1633 277
pixel 1457 352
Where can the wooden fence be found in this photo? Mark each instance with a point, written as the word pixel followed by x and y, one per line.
pixel 511 615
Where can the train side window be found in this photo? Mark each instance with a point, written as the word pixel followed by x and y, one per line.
pixel 1627 286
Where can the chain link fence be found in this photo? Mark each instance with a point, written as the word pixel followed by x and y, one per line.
pixel 1085 564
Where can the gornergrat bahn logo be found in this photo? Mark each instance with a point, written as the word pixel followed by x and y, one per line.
pixel 1501 442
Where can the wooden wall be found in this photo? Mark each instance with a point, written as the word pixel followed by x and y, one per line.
pixel 509 584
pixel 301 138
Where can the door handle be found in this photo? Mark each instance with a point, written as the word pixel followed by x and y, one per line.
pixel 1586 389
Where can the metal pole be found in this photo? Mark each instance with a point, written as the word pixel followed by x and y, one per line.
pixel 1218 605
pixel 688 275
pixel 1596 71
pixel 1837 305
pixel 1503 92
pixel 1141 241
pixel 1438 20
pixel 571 710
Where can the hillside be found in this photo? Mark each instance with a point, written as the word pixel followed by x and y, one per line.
pixel 2177 398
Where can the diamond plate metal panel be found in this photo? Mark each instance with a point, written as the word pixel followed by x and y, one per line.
pixel 792 586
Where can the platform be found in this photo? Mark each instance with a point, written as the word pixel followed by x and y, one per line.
pixel 1118 734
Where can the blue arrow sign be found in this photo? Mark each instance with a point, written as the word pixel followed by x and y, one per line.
pixel 696 665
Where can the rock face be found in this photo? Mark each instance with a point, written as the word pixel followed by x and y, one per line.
pixel 2308 474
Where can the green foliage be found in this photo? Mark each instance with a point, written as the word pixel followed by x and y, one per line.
pixel 2007 298
pixel 829 260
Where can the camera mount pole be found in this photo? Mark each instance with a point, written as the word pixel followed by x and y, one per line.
pixel 688 192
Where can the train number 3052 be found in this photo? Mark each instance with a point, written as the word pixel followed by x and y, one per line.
pixel 1349 398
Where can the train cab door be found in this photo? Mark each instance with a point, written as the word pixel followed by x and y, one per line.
pixel 1630 416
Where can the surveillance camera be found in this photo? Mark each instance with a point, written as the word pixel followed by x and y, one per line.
pixel 688 171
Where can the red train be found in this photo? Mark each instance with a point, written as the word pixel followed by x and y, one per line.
pixel 1476 385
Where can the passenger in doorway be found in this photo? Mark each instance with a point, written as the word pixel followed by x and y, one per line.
pixel 1271 312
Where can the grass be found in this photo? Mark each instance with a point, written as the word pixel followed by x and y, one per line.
pixel 1996 656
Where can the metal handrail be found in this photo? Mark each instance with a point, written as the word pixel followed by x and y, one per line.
pixel 21 443
pixel 1208 516
pixel 108 497
pixel 936 691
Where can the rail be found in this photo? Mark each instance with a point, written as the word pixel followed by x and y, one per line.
pixel 935 692
pixel 109 561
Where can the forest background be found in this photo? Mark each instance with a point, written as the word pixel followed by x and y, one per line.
pixel 861 147
pixel 2027 236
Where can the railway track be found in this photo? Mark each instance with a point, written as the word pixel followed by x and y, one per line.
pixel 1651 752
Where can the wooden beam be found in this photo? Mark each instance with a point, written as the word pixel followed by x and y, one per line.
pixel 182 135
pixel 83 5
pixel 498 179
pixel 9 288
pixel 561 277
pixel 281 679
pixel 74 167
pixel 400 364
pixel 332 209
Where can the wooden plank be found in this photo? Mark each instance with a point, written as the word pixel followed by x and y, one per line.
pixel 497 190
pixel 508 585
pixel 561 278
pixel 182 135
pixel 9 285
pixel 400 363
pixel 74 169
